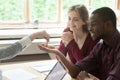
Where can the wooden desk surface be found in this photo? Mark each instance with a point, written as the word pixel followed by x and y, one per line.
pixel 27 67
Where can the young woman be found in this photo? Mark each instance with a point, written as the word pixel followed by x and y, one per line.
pixel 76 40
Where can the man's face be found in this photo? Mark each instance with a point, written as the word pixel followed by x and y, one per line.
pixel 96 27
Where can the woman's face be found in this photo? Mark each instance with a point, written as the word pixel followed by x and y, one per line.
pixel 74 20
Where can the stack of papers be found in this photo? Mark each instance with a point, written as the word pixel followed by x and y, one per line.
pixel 44 67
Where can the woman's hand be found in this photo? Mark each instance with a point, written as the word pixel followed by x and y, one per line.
pixel 67 37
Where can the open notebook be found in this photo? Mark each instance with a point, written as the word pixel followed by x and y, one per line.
pixel 57 73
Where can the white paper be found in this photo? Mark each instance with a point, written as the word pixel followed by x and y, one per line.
pixel 45 67
pixel 18 74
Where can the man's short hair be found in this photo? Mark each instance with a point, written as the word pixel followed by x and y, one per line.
pixel 106 14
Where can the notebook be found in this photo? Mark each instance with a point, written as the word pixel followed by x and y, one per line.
pixel 57 73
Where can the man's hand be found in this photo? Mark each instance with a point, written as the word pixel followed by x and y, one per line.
pixel 83 75
pixel 40 34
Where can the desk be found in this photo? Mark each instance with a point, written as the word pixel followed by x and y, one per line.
pixel 27 67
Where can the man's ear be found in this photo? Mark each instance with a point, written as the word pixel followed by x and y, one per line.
pixel 108 24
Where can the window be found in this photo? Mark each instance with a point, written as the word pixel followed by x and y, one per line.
pixel 46 11
pixel 65 6
pixel 11 10
pixel 99 3
pixel 118 4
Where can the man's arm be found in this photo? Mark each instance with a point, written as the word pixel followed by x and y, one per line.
pixel 14 49
pixel 114 73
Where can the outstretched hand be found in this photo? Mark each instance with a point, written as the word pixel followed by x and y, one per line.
pixel 48 48
pixel 83 75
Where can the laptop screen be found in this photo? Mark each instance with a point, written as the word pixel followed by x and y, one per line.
pixel 57 73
